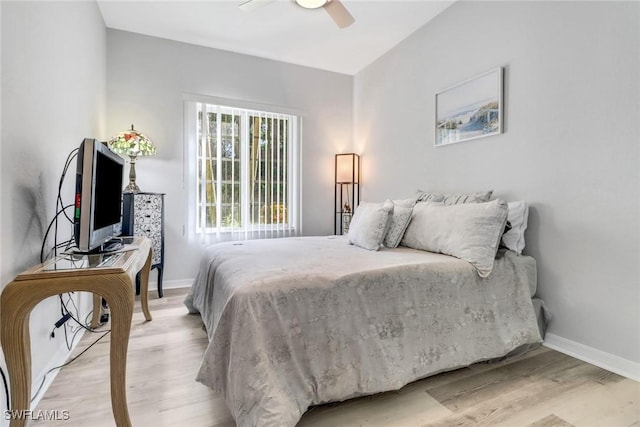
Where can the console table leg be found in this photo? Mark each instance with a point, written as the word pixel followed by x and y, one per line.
pixel 17 351
pixel 120 299
pixel 144 287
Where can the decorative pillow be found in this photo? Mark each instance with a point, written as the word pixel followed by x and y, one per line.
pixel 400 218
pixel 422 196
pixel 469 231
pixel 369 224
pixel 518 216
pixel 455 198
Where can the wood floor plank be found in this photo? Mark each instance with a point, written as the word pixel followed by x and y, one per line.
pixel 468 391
pixel 543 388
pixel 408 407
pixel 599 405
pixel 526 392
pixel 551 421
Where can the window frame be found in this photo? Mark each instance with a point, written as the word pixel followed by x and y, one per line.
pixel 191 146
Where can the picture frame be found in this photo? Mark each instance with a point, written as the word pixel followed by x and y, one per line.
pixel 470 109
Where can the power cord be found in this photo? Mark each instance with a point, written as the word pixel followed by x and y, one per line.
pixel 54 222
pixel 6 387
pixel 67 314
pixel 72 155
pixel 60 209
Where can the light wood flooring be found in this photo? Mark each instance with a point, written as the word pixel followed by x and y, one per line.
pixel 542 388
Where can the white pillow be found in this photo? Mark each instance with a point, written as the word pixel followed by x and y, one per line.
pixel 518 216
pixel 399 221
pixel 469 231
pixel 369 224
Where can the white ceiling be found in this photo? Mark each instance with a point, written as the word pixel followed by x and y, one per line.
pixel 280 30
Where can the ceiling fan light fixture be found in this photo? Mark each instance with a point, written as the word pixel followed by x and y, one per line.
pixel 311 4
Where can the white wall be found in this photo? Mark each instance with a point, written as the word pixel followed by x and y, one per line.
pixel 53 95
pixel 146 80
pixel 2 361
pixel 570 148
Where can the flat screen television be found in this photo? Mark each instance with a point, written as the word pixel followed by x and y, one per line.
pixel 98 199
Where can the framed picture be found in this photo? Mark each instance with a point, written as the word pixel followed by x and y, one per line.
pixel 470 109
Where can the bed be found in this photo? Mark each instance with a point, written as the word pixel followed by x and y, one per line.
pixel 300 321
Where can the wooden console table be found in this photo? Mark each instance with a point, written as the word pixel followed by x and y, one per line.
pixel 114 282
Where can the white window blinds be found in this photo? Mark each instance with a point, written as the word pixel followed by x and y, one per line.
pixel 245 176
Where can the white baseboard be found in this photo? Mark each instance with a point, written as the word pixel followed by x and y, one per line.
pixel 175 284
pixel 61 357
pixel 608 361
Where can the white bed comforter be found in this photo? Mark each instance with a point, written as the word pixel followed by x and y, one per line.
pixel 300 321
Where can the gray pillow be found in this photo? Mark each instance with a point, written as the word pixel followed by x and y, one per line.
pixel 423 196
pixel 454 198
pixel 399 221
pixel 369 224
pixel 518 216
pixel 469 231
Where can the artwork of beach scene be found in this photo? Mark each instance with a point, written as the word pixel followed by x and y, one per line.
pixel 471 109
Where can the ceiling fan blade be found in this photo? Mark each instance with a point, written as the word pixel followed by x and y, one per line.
pixel 251 5
pixel 339 13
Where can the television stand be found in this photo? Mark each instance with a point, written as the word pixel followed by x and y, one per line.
pixel 111 246
pixel 71 273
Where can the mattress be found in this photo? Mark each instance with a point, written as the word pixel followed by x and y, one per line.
pixel 301 321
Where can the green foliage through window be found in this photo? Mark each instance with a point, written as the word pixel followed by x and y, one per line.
pixel 244 168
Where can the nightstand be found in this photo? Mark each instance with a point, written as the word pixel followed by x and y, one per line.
pixel 143 215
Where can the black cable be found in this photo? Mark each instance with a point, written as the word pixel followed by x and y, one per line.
pixel 66 363
pixel 59 202
pixel 60 207
pixel 74 318
pixel 63 308
pixel 66 338
pixel 72 155
pixel 6 387
pixel 46 234
pixel 73 338
pixel 73 303
pixel 82 326
pixel 66 244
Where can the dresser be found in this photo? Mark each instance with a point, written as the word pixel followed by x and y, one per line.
pixel 143 215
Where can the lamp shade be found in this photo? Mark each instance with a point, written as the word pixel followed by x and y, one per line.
pixel 347 168
pixel 132 143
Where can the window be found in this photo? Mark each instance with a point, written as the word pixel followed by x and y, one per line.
pixel 245 179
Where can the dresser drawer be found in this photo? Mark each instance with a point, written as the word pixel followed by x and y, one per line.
pixel 150 220
pixel 145 201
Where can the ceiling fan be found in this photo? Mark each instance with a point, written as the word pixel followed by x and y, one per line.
pixel 334 8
